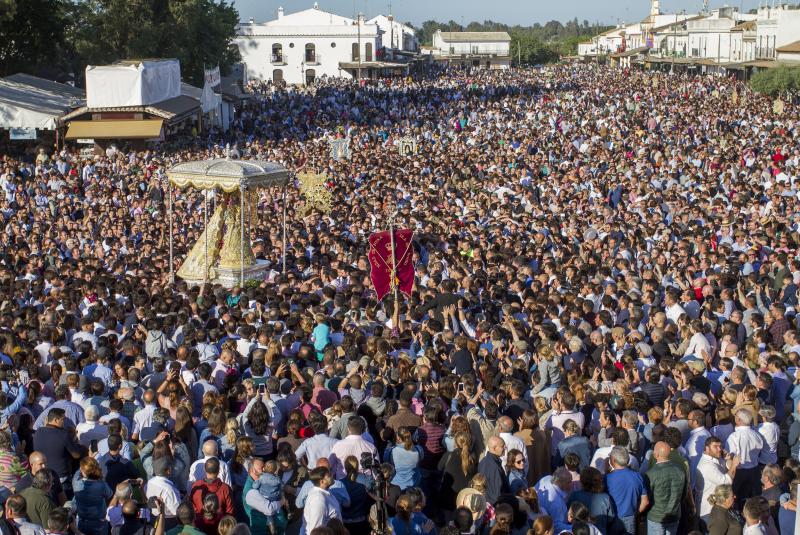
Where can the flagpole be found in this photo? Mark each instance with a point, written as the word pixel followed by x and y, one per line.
pixel 394 259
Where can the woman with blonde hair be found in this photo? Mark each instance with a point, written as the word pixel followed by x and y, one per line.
pixel 228 439
pixel 458 467
pixel 723 519
pixel 405 457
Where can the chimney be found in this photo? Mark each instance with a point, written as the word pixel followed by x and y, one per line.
pixel 280 13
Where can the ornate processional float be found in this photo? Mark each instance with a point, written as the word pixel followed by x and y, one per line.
pixel 223 253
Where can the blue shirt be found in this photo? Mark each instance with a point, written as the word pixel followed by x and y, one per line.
pixel 626 487
pixel 74 414
pixel 553 501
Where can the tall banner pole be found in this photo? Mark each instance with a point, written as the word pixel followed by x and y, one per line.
pixel 241 249
pixel 171 237
pixel 283 241
pixel 205 232
pixel 394 259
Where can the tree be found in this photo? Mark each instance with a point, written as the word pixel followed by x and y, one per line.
pixel 773 82
pixel 197 32
pixel 32 35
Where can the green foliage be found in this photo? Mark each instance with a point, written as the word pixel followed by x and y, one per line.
pixel 67 35
pixel 32 35
pixel 529 44
pixel 772 82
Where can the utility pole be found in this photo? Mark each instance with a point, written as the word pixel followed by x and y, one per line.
pixel 359 46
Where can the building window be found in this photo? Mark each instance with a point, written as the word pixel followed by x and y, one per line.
pixel 291 45
pixel 277 53
pixel 277 75
pixel 368 52
pixel 333 45
pixel 311 53
pixel 355 52
pixel 311 75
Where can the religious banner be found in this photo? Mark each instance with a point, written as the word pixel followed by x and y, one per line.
pixel 340 149
pixel 212 77
pixel 407 146
pixel 317 194
pixel 735 97
pixel 380 261
pixel 778 107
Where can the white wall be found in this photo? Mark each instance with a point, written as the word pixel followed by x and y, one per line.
pixel 330 51
pixel 395 34
pixel 501 48
pixel 775 28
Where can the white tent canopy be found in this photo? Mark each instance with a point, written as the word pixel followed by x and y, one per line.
pixel 26 106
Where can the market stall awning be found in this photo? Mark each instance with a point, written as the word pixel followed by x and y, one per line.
pixel 121 129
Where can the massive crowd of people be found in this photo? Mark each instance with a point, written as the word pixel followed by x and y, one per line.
pixel 601 336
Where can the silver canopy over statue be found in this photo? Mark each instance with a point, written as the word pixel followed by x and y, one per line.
pixel 223 254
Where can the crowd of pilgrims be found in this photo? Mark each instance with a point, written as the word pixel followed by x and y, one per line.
pixel 601 337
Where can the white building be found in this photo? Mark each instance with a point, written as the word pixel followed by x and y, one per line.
pixel 743 41
pixel 489 50
pixel 789 53
pixel 395 36
pixel 776 27
pixel 299 47
pixel 710 36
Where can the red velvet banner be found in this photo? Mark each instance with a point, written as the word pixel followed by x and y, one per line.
pixel 380 261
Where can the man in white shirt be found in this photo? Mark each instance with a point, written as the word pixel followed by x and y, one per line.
pixel 91 429
pixel 321 507
pixel 563 410
pixel 747 444
pixel 198 470
pixel 771 433
pixel 505 428
pixel 353 444
pixel 320 445
pixel 143 419
pixel 712 470
pixel 619 438
pixel 698 434
pixel 673 309
pixel 160 485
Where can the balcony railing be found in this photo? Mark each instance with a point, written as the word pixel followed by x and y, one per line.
pixel 278 59
pixel 314 58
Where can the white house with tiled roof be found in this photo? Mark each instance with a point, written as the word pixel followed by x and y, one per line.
pixel 789 53
pixel 490 50
pixel 300 47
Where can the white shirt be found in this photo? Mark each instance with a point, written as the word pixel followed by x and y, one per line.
pixel 747 444
pixel 770 433
pixel 515 443
pixel 674 312
pixel 143 419
pixel 601 454
pixel 315 448
pixel 321 507
pixel 88 431
pixel 164 489
pixel 353 445
pixel 198 471
pixel 710 473
pixel 696 442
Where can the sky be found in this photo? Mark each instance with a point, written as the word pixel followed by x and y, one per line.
pixel 523 12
